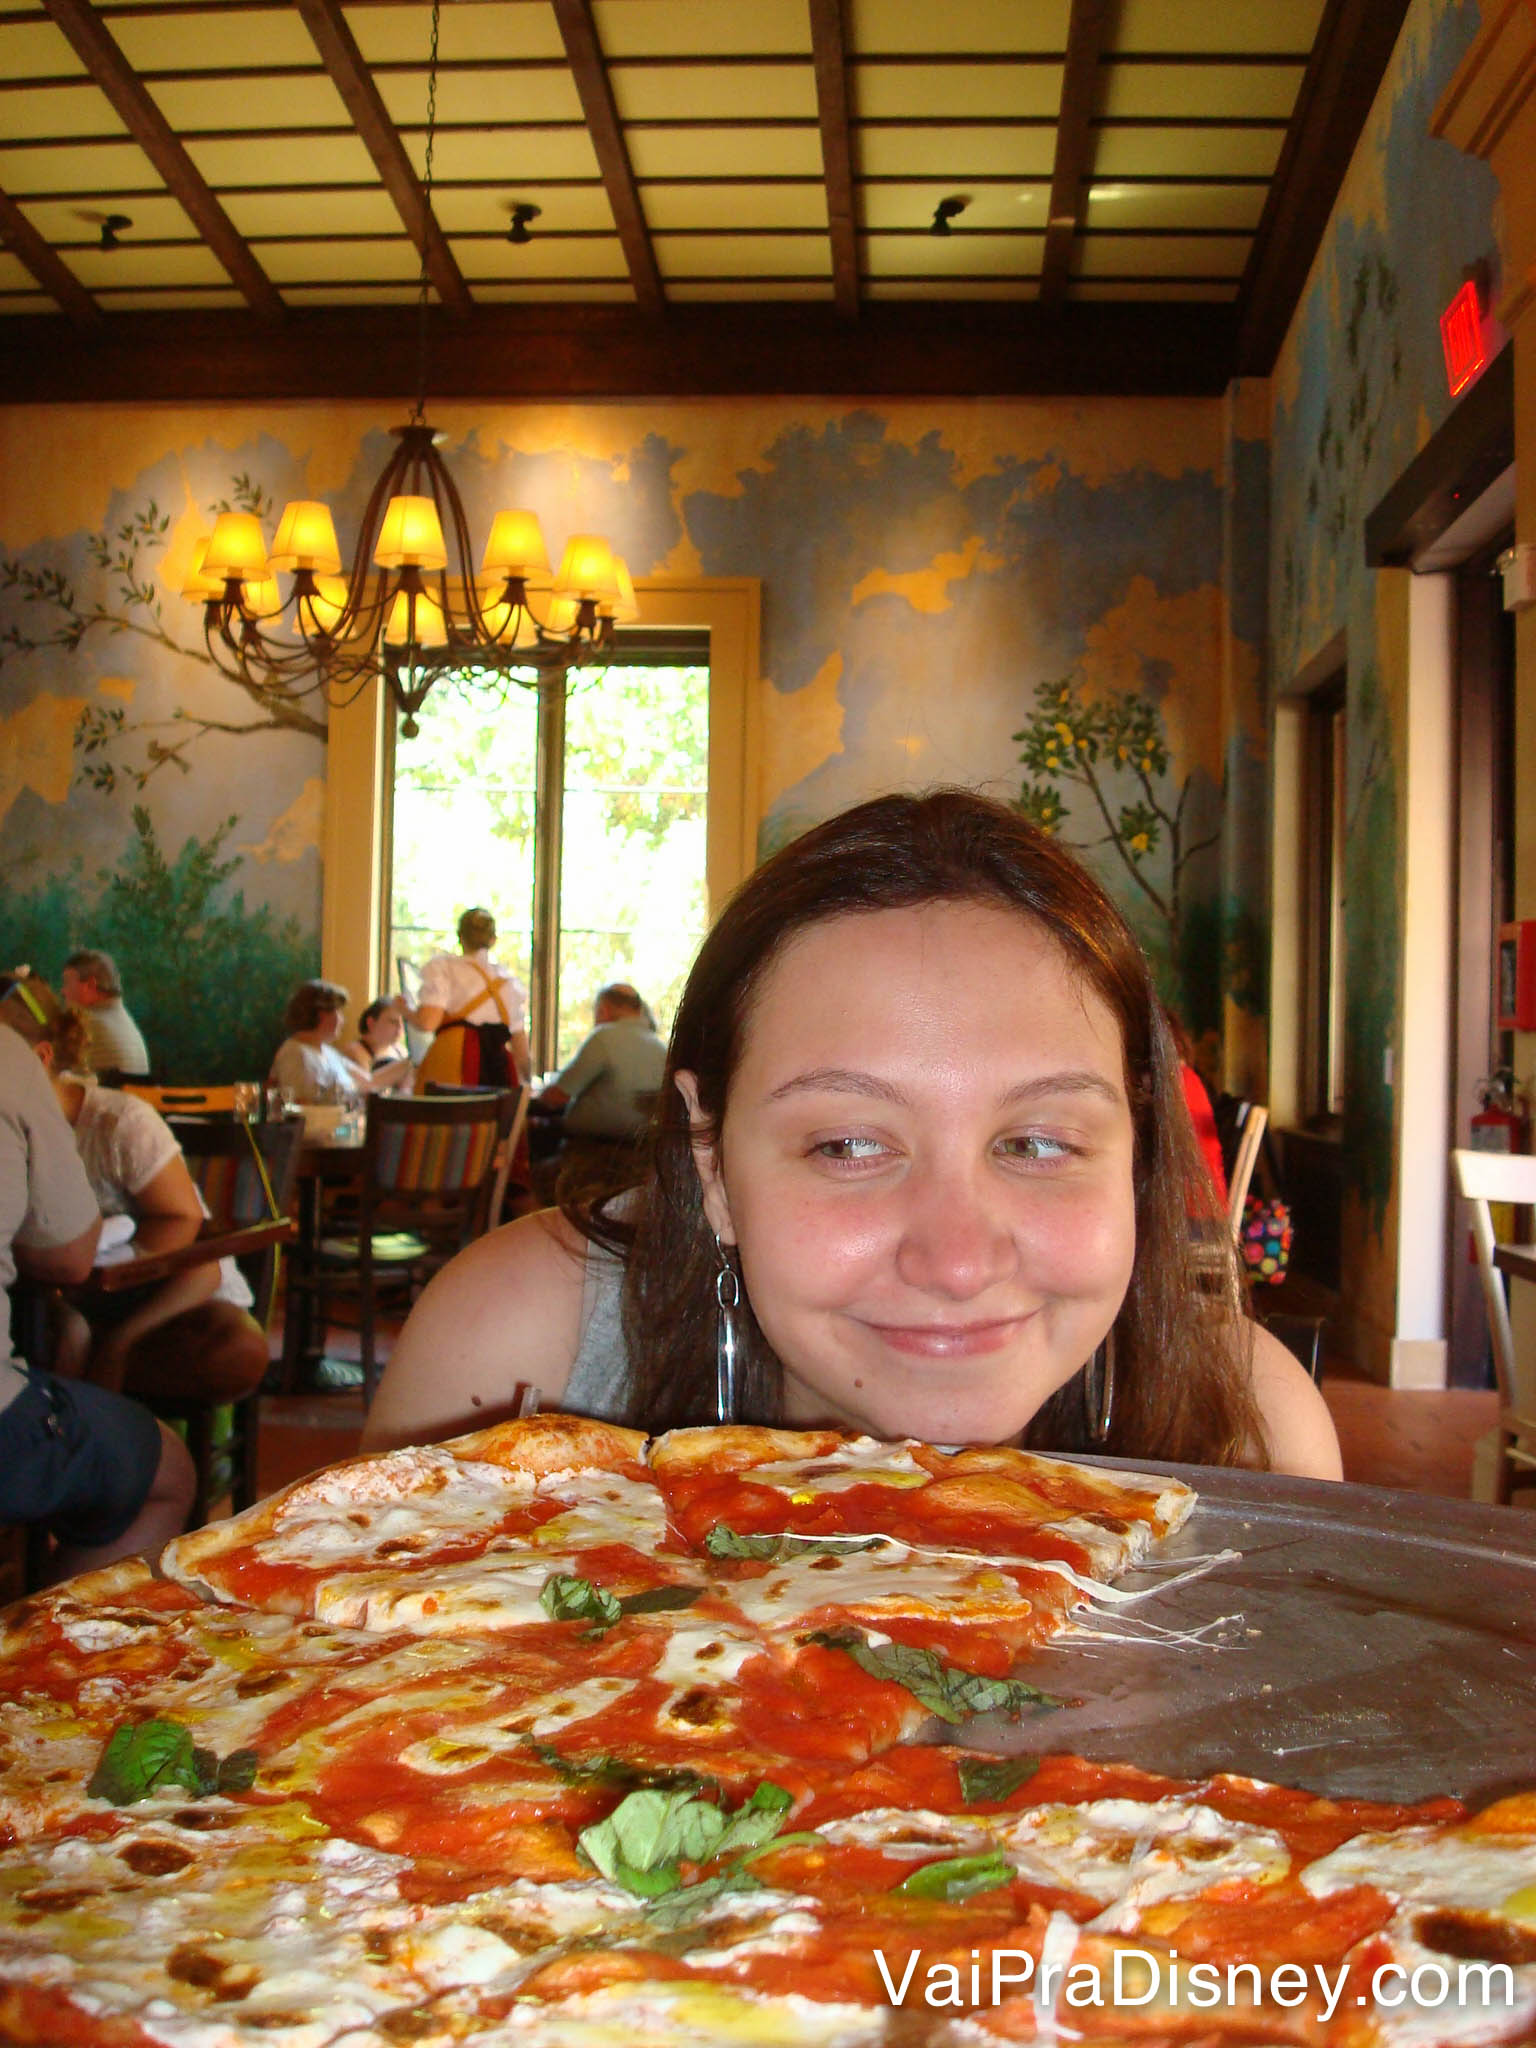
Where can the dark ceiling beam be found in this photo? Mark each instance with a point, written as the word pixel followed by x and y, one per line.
pixel 51 272
pixel 828 57
pixel 1355 39
pixel 585 56
pixel 1088 32
pixel 344 61
pixel 94 46
pixel 516 354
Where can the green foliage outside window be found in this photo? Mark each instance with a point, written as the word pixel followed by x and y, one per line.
pixel 633 903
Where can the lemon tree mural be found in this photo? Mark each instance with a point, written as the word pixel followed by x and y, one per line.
pixel 124 596
pixel 1114 750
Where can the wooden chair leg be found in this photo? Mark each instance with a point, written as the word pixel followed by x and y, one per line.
pixel 244 1448
pixel 365 1322
pixel 200 1444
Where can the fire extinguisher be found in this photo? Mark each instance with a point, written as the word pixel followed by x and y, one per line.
pixel 1503 1119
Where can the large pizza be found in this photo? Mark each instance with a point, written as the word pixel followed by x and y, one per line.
pixel 554 1736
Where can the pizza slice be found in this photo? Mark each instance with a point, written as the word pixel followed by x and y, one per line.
pixel 449 1538
pixel 971 1554
pixel 1459 1951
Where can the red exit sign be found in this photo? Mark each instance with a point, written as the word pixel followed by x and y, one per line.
pixel 1461 339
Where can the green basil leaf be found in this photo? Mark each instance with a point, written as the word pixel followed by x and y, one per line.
pixel 994 1777
pixel 616 1773
pixel 758 1821
pixel 237 1773
pixel 648 1834
pixel 944 1689
pixel 958 1877
pixel 660 1599
pixel 723 1541
pixel 564 1598
pixel 678 1908
pixel 141 1759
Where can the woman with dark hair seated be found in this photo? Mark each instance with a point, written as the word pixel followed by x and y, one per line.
pixel 380 1037
pixel 309 1063
pixel 920 1167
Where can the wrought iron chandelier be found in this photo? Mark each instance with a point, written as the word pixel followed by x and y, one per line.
pixel 412 605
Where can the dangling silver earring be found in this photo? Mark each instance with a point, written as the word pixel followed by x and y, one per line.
pixel 1101 1388
pixel 728 1299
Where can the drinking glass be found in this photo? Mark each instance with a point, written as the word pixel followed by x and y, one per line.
pixel 248 1100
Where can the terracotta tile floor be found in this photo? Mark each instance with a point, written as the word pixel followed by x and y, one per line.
pixel 1418 1441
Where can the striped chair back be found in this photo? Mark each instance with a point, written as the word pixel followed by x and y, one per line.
pixel 439 1158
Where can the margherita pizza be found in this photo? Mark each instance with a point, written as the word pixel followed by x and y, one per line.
pixel 552 1737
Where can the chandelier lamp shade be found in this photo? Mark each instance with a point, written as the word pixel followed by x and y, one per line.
pixel 413 603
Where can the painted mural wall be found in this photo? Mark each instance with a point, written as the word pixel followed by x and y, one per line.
pixel 1034 598
pixel 1358 389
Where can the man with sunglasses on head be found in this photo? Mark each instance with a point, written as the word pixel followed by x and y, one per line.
pixel 96 1470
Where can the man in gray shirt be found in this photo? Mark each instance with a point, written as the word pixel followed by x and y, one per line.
pixel 607 1090
pixel 90 984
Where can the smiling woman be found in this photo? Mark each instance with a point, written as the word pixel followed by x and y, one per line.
pixel 921 1166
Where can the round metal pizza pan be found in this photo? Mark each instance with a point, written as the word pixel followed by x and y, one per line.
pixel 1363 1643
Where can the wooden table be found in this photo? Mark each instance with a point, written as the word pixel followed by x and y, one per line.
pixel 1519 1260
pixel 162 1247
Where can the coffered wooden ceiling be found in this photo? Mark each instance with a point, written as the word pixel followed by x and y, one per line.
pixel 227 196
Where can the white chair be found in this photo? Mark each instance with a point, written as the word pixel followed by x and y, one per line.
pixel 1250 1137
pixel 1481 1178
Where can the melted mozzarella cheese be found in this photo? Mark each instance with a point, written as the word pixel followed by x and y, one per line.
pixel 693 2015
pixel 605 1507
pixel 1466 2017
pixel 1127 1853
pixel 890 1577
pixel 862 1461
pixel 499 1589
pixel 912 1832
pixel 556 1711
pixel 435 1500
pixel 208 1939
pixel 1461 1868
pixel 694 1655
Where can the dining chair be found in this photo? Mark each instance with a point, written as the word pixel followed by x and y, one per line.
pixel 506 1149
pixel 245 1173
pixel 1211 1255
pixel 427 1172
pixel 1483 1178
pixel 1252 1123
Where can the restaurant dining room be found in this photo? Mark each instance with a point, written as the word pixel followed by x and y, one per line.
pixel 760 798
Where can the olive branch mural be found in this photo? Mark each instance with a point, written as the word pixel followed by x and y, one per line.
pixel 127 599
pixel 1090 742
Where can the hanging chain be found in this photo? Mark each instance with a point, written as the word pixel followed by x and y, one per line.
pixel 424 283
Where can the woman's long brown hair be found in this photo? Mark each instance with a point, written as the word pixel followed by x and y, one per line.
pixel 1182 1386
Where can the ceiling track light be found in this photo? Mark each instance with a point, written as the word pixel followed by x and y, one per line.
pixel 522 213
pixel 948 210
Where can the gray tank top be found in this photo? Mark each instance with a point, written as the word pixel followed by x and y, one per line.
pixel 599 1384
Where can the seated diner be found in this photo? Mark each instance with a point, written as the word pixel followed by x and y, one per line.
pixel 310 1065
